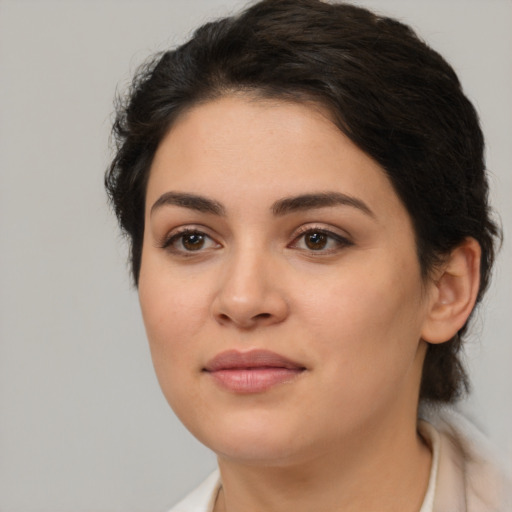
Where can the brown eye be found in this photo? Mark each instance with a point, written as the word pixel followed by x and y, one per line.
pixel 320 241
pixel 189 241
pixel 192 241
pixel 316 241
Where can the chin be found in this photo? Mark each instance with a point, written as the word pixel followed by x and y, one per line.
pixel 258 452
pixel 251 439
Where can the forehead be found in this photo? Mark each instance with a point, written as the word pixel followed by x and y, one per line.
pixel 260 151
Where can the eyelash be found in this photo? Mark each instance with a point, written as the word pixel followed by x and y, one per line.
pixel 168 243
pixel 340 241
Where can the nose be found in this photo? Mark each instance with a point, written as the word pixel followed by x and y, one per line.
pixel 249 294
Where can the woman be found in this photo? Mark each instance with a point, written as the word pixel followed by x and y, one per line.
pixel 304 190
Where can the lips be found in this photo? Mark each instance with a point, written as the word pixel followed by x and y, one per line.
pixel 252 372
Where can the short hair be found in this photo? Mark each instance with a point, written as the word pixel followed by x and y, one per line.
pixel 396 98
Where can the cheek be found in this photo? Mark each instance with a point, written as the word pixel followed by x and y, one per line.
pixel 174 311
pixel 367 323
pixel 172 302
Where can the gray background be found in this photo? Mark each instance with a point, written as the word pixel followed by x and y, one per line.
pixel 83 424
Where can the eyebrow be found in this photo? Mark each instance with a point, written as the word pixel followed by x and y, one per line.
pixel 318 200
pixel 279 208
pixel 190 201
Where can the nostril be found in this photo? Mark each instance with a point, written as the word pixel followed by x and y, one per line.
pixel 249 321
pixel 249 310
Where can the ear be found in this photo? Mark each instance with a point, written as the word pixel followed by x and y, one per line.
pixel 453 292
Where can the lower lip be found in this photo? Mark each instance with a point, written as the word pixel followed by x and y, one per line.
pixel 254 380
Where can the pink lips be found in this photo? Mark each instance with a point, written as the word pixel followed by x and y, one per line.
pixel 251 372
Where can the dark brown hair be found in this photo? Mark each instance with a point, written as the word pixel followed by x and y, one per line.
pixel 390 93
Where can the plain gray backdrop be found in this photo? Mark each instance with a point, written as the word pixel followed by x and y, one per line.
pixel 84 426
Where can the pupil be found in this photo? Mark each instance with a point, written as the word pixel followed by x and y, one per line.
pixel 316 241
pixel 193 242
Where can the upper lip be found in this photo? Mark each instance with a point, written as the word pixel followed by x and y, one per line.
pixel 234 359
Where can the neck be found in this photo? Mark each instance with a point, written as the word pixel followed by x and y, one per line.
pixel 380 471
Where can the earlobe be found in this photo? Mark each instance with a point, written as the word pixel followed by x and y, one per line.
pixel 453 293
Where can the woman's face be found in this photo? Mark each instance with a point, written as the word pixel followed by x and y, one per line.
pixel 280 286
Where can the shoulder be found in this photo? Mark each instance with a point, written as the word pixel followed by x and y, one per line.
pixel 202 498
pixel 469 477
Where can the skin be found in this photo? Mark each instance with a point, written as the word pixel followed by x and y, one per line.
pixel 342 434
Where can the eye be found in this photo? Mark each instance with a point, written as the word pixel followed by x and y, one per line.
pixel 319 240
pixel 189 241
pixel 316 241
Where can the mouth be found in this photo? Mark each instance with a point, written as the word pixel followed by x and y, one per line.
pixel 252 372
